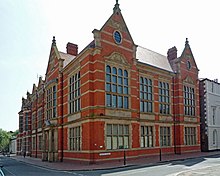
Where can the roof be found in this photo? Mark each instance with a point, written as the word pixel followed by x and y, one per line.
pixel 67 58
pixel 152 58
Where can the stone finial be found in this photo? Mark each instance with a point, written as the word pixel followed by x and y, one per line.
pixel 116 8
pixel 54 41
pixel 187 42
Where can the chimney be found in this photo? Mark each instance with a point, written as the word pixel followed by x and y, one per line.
pixel 72 49
pixel 172 53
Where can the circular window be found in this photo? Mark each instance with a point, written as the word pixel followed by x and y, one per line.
pixel 188 65
pixel 117 37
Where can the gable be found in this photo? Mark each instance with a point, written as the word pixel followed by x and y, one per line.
pixel 187 58
pixel 115 24
pixel 53 58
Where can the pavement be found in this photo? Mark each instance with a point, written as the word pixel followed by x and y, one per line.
pixel 145 161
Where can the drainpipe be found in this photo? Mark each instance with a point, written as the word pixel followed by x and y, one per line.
pixel 61 159
pixel 174 123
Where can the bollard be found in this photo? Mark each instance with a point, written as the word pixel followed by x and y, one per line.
pixel 160 155
pixel 124 158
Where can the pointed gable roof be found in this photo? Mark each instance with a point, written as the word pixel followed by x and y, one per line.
pixel 53 53
pixel 40 82
pixel 117 21
pixel 34 89
pixel 187 53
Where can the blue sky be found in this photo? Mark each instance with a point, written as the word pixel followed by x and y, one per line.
pixel 27 28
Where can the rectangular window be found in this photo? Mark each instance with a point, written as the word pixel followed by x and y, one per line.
pixel 117 136
pixel 33 143
pixel 213 109
pixel 75 138
pixel 51 101
pixel 40 118
pixel 165 136
pixel 116 88
pixel 40 142
pixel 74 93
pixel 190 136
pixel 146 95
pixel 189 101
pixel 33 122
pixel 146 136
pixel 27 121
pixel 164 98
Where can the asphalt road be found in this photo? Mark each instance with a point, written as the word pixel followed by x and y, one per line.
pixel 13 167
pixel 206 166
pixel 192 167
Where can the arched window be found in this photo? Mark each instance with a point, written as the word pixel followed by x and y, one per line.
pixel 116 87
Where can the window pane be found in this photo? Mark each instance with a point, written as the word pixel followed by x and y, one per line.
pixel 114 79
pixel 126 102
pixel 109 129
pixel 120 80
pixel 108 87
pixel 108 100
pixel 114 101
pixel 120 105
pixel 109 143
pixel 120 129
pixel 120 72
pixel 125 90
pixel 115 129
pixel 114 71
pixel 125 73
pixel 126 81
pixel 126 129
pixel 120 142
pixel 142 106
pixel 114 88
pixel 108 78
pixel 120 89
pixel 115 142
pixel 126 142
pixel 141 80
pixel 108 69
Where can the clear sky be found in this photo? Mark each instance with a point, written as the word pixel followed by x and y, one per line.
pixel 28 26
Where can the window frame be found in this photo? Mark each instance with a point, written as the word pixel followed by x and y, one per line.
pixel 146 95
pixel 51 102
pixel 116 86
pixel 189 100
pixel 165 136
pixel 117 136
pixel 164 96
pixel 74 94
pixel 190 136
pixel 147 137
pixel 75 138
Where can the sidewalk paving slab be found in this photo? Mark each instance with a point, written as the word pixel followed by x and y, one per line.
pixel 145 161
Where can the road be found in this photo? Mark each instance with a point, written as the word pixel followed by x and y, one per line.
pixel 191 167
pixel 16 168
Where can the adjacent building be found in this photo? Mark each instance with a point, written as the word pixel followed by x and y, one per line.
pixel 113 96
pixel 24 136
pixel 210 113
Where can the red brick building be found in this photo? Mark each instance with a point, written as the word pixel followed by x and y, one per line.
pixel 113 96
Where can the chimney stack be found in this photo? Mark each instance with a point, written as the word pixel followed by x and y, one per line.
pixel 72 49
pixel 172 53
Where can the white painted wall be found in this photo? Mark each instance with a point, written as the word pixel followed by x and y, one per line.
pixel 213 113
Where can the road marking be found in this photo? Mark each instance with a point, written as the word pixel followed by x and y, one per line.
pixel 9 171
